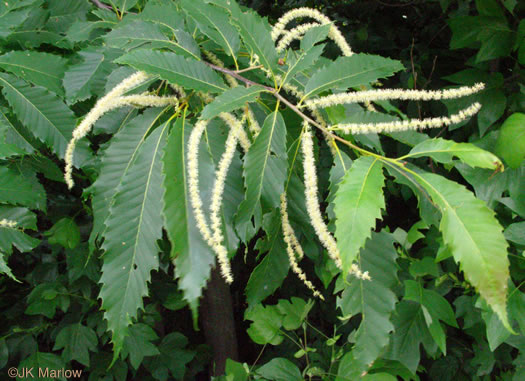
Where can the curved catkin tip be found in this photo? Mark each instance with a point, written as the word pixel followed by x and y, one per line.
pixel 4 223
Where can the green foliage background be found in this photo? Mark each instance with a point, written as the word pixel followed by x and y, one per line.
pixel 418 319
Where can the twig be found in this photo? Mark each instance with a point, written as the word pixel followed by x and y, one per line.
pixel 101 5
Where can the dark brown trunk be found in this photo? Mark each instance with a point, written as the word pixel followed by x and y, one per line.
pixel 217 322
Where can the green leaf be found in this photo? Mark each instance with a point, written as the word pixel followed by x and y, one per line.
pixel 496 39
pixel 345 72
pixel 435 308
pixel 65 233
pixel 475 237
pixel 139 344
pixel 443 151
pixel 116 162
pixel 175 69
pixel 264 171
pixel 76 340
pixel 269 274
pixel 280 369
pixel 266 325
pixel 511 140
pixel 48 118
pixel 9 237
pixel 516 233
pixel 305 60
pixel 215 24
pixel 44 366
pixel 9 150
pixel 63 14
pixel 193 256
pixel 143 34
pixel 230 100
pixel 83 30
pixel 374 300
pixel 21 187
pixel 122 5
pixel 315 35
pixel 45 298
pixel 4 269
pixel 43 69
pixel 133 227
pixel 358 203
pixel 295 312
pixel 88 77
pixel 235 371
pixel 15 133
pixel 173 357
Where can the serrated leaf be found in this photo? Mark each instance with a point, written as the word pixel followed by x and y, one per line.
pixel 49 119
pixel 15 133
pixel 345 72
pixel 132 229
pixel 215 24
pixel 305 60
pixel 14 236
pixel 21 187
pixel 76 340
pixel 269 274
pixel 264 171
pixel 443 151
pixel 143 34
pixel 88 77
pixel 373 299
pixel 175 69
pixel 475 238
pixel 511 140
pixel 315 35
pixel 63 14
pixel 83 30
pixel 116 162
pixel 230 100
pixel 358 203
pixel 193 256
pixel 43 69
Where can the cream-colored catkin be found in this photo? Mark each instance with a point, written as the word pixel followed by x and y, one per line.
pixel 253 125
pixel 409 124
pixel 386 94
pixel 296 33
pixel 232 121
pixel 232 82
pixel 4 223
pixel 292 243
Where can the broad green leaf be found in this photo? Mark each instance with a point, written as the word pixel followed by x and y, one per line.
pixel 132 228
pixel 231 100
pixel 87 77
pixel 264 171
pixel 516 233
pixel 305 60
pixel 315 35
pixel 475 237
pixel 373 299
pixel 20 186
pixel 164 13
pixel 4 269
pixel 295 312
pixel 43 69
pixel 63 14
pixel 47 117
pixel 84 30
pixel 175 69
pixel 256 35
pixel 143 34
pixel 496 39
pixel 269 274
pixel 511 140
pixel 345 72
pixel 358 203
pixel 76 340
pixel 465 31
pixel 443 151
pixel 45 298
pixel 280 369
pixel 435 308
pixel 45 366
pixel 10 20
pixel 9 150
pixel 193 256
pixel 215 24
pixel 15 236
pixel 121 5
pixel 139 344
pixel 116 162
pixel 233 369
pixel 266 325
pixel 14 133
pixel 65 233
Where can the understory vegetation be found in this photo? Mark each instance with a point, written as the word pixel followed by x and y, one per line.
pixel 328 190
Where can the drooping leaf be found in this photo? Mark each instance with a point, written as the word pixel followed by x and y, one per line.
pixel 143 34
pixel 374 300
pixel 345 72
pixel 193 256
pixel 175 69
pixel 214 24
pixel 87 77
pixel 116 162
pixel 43 69
pixel 20 186
pixel 269 274
pixel 475 238
pixel 76 340
pixel 264 171
pixel 47 117
pixel 132 229
pixel 280 369
pixel 443 151
pixel 231 100
pixel 511 140
pixel 358 203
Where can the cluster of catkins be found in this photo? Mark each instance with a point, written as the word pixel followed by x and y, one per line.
pixel 212 232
